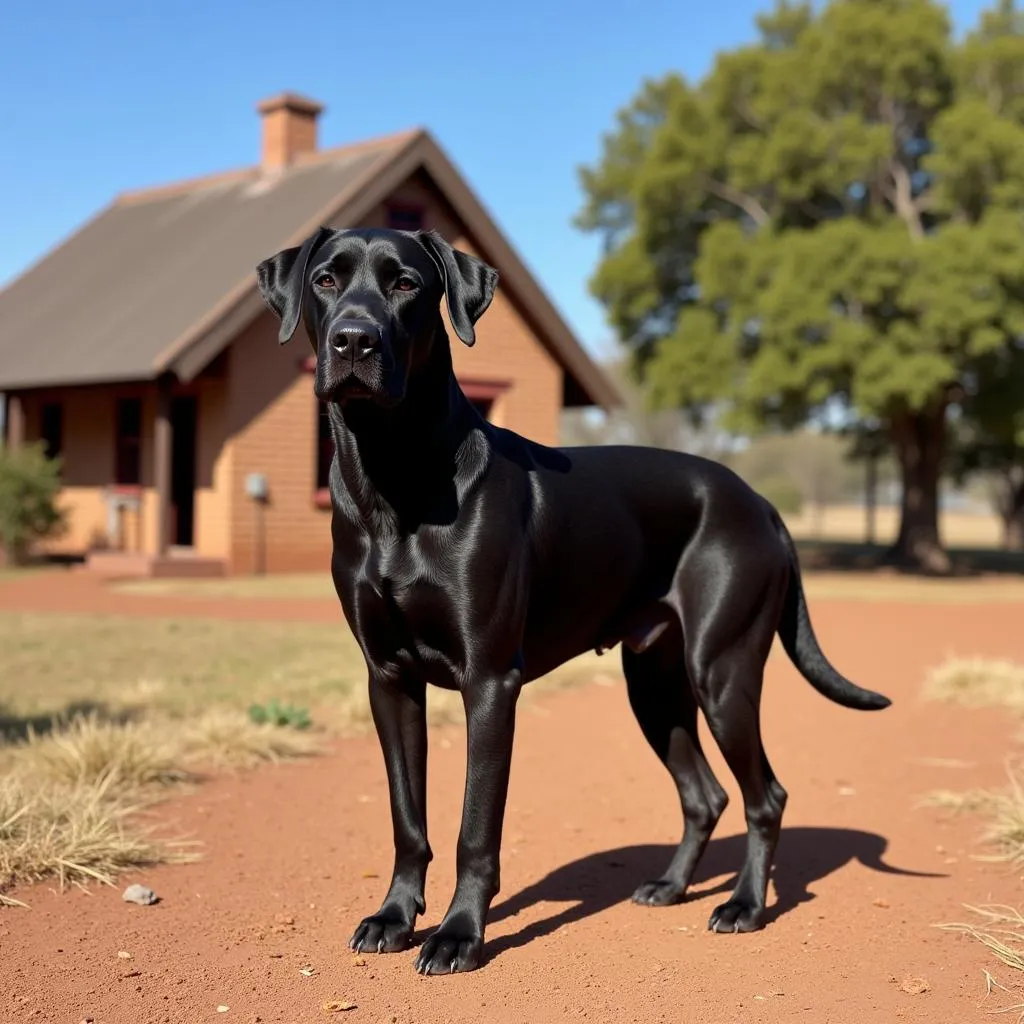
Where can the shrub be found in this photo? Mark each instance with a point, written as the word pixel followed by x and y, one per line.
pixel 783 493
pixel 29 485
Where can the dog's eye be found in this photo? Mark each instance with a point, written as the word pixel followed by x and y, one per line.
pixel 405 284
pixel 325 281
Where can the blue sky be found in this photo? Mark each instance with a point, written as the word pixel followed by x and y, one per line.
pixel 107 96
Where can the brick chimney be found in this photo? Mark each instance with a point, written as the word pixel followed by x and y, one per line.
pixel 289 129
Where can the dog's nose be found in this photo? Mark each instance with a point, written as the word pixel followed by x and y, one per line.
pixel 355 340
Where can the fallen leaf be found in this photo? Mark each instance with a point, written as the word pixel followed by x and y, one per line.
pixel 879 902
pixel 223 1009
pixel 308 971
pixel 124 954
pixel 284 919
pixel 358 961
pixel 370 874
pixel 338 1006
pixel 914 986
pixel 847 791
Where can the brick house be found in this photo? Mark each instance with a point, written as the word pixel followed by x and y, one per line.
pixel 140 352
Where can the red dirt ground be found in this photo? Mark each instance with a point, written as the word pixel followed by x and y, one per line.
pixel 296 855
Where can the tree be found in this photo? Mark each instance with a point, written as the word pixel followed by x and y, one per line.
pixel 815 467
pixel 635 422
pixel 834 215
pixel 988 440
pixel 29 485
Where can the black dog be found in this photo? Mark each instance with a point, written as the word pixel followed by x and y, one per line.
pixel 472 558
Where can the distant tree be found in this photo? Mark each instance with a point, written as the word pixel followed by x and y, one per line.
pixel 814 466
pixel 833 215
pixel 636 422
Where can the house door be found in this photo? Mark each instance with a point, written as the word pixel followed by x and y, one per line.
pixel 183 469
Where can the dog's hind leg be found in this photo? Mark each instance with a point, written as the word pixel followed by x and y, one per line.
pixel 729 626
pixel 664 704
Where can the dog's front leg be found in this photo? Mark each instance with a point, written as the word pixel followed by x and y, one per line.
pixel 399 713
pixel 457 944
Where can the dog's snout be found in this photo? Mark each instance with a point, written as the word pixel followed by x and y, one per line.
pixel 355 339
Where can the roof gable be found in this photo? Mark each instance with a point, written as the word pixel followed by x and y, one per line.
pixel 163 280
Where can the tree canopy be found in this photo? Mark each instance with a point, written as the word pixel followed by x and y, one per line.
pixel 835 214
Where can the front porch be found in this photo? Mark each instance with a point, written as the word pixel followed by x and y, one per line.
pixel 138 479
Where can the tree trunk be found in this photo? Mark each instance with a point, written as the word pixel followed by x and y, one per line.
pixel 870 497
pixel 919 442
pixel 1012 510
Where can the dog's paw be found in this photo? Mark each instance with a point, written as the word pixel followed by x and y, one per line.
pixel 661 893
pixel 450 950
pixel 381 933
pixel 736 915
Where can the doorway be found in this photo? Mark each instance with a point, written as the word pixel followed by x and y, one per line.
pixel 183 470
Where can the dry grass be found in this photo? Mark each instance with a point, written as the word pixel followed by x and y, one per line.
pixel 1000 929
pixel 75 833
pixel 848 522
pixel 56 664
pixel 284 586
pixel 61 665
pixel 1004 809
pixel 846 586
pixel 977 682
pixel 224 738
pixel 959 803
pixel 101 716
pixel 72 800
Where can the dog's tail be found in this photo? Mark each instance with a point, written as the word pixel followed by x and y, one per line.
pixel 802 646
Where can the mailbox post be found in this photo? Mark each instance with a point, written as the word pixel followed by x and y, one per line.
pixel 257 487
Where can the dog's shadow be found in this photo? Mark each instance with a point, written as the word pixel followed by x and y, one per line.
pixel 599 881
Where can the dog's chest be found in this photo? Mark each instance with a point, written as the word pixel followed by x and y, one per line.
pixel 402 617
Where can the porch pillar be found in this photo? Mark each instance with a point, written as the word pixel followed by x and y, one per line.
pixel 162 465
pixel 14 418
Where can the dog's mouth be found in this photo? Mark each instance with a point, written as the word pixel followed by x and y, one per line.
pixel 352 389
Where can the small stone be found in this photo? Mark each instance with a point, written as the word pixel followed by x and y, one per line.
pixel 124 954
pixel 337 1006
pixel 139 894
pixel 879 902
pixel 223 1009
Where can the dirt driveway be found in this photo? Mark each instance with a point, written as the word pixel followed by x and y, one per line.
pixel 862 873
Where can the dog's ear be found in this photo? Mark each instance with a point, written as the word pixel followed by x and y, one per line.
pixel 469 283
pixel 281 281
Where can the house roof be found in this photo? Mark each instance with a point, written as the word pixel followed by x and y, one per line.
pixel 162 280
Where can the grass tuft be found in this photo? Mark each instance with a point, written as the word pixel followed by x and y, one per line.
pixel 225 738
pixel 977 682
pixel 72 799
pixel 1000 930
pixel 74 832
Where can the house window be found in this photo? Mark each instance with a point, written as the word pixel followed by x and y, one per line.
pixel 128 442
pixel 405 218
pixel 324 448
pixel 51 429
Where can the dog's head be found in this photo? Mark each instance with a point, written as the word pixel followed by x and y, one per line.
pixel 370 301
